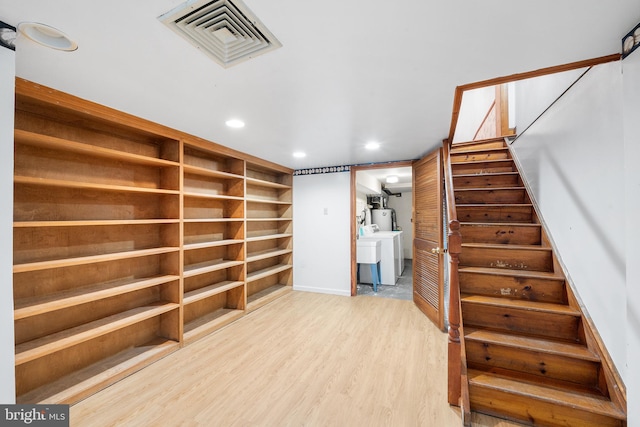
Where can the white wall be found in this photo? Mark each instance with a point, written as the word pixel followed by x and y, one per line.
pixel 404 209
pixel 475 106
pixel 573 159
pixel 533 96
pixel 322 233
pixel 7 82
pixel 631 95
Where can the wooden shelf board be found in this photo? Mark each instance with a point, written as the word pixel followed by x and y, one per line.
pixel 28 307
pixel 206 324
pixel 208 267
pixel 265 272
pixel 82 383
pixel 255 256
pixel 266 201
pixel 211 196
pixel 205 220
pixel 88 223
pixel 196 170
pixel 211 290
pixel 66 262
pixel 268 219
pixel 45 141
pixel 269 184
pixel 268 237
pixel 203 245
pixel 44 346
pixel 265 296
pixel 87 185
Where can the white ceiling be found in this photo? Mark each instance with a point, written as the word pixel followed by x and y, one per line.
pixel 349 71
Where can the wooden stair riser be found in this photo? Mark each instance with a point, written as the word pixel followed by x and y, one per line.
pixel 500 180
pixel 537 323
pixel 491 196
pixel 492 166
pixel 554 366
pixel 531 289
pixel 533 259
pixel 514 234
pixel 481 145
pixel 532 411
pixel 495 213
pixel 480 155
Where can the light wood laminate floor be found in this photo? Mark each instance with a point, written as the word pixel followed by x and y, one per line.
pixel 303 360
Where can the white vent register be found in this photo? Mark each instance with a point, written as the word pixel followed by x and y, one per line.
pixel 225 30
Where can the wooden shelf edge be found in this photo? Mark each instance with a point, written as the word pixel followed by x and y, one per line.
pixel 212 196
pixel 67 262
pixel 266 272
pixel 267 201
pixel 197 170
pixel 88 223
pixel 201 220
pixel 266 296
pixel 78 385
pixel 210 323
pixel 209 291
pixel 46 141
pixel 269 184
pixel 268 219
pixel 49 344
pixel 269 237
pixel 268 254
pixel 34 306
pixel 89 186
pixel 209 268
pixel 192 246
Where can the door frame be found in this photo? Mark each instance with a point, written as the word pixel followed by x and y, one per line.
pixel 354 231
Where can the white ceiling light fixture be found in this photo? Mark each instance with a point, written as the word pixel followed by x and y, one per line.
pixel 372 145
pixel 392 179
pixel 225 30
pixel 235 123
pixel 47 36
pixel 299 154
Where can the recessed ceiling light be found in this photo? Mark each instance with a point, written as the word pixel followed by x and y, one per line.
pixel 47 36
pixel 299 154
pixel 235 123
pixel 372 145
pixel 392 179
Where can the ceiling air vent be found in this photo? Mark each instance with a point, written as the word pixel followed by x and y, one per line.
pixel 225 30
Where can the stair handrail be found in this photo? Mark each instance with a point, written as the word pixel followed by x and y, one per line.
pixel 458 388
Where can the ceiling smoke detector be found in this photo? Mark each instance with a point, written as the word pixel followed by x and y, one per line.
pixel 225 30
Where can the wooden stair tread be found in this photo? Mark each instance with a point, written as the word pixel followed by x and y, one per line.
pixel 493 205
pixel 490 189
pixel 507 246
pixel 573 399
pixel 478 162
pixel 504 224
pixel 469 175
pixel 520 304
pixel 535 344
pixel 508 272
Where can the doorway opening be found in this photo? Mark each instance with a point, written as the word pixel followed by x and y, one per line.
pixel 382 210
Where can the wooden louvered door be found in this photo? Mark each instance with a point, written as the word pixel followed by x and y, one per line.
pixel 428 275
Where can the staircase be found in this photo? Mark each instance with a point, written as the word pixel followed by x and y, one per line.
pixel 530 356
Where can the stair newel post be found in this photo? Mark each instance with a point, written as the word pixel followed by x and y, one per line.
pixel 454 351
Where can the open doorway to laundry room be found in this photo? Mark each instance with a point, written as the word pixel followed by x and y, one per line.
pixel 381 203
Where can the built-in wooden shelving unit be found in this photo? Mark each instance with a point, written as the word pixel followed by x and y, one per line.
pixel 130 240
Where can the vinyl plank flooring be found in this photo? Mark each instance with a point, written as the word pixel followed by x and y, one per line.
pixel 303 360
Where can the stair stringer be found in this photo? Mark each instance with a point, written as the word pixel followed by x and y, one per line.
pixel 610 380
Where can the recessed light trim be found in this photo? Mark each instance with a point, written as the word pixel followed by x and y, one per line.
pixel 372 145
pixel 235 123
pixel 47 36
pixel 392 179
pixel 299 154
